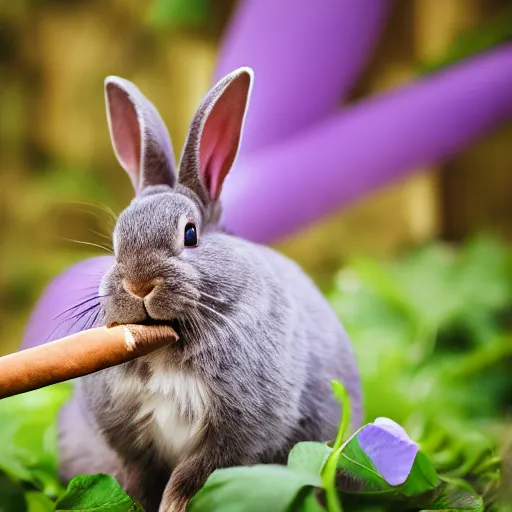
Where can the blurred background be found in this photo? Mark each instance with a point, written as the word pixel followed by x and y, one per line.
pixel 420 270
pixel 55 152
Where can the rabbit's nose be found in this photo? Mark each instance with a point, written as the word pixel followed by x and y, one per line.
pixel 140 289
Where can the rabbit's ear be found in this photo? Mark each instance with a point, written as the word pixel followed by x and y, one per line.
pixel 214 137
pixel 139 136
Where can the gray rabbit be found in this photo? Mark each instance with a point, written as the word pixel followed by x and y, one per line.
pixel 259 344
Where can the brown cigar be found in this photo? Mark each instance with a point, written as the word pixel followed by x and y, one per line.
pixel 78 355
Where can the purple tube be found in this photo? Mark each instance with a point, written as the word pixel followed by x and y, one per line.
pixel 306 56
pixel 371 144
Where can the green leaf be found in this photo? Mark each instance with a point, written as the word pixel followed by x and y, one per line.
pixel 422 478
pixel 358 472
pixel 423 488
pixel 29 437
pixel 252 489
pixel 456 499
pixel 308 503
pixel 11 495
pixel 96 492
pixel 309 456
pixel 359 475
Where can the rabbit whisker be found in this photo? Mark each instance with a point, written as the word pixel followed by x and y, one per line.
pixel 103 208
pixel 93 323
pixel 188 328
pixel 77 318
pixel 80 318
pixel 108 220
pixel 102 235
pixel 90 308
pixel 88 299
pixel 190 323
pixel 195 323
pixel 220 315
pixel 89 243
pixel 208 296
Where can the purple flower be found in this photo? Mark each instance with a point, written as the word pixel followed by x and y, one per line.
pixel 389 448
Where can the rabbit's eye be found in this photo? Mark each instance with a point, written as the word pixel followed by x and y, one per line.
pixel 190 235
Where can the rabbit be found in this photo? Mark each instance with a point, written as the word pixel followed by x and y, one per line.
pixel 258 345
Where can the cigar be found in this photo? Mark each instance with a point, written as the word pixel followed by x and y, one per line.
pixel 78 355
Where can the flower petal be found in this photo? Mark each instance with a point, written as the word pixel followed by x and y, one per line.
pixel 392 427
pixel 391 453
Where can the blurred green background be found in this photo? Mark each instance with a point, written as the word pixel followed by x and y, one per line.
pixel 421 272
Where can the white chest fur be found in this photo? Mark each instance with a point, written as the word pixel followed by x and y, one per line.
pixel 176 403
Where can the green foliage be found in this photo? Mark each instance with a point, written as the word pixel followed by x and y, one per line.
pixel 28 434
pixel 433 327
pixel 360 475
pixel 309 456
pixel 473 42
pixel 430 332
pixel 96 492
pixel 252 489
pixel 11 495
pixel 178 13
pixel 28 456
pixel 281 488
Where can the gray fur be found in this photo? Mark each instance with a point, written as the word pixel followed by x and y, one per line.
pixel 254 330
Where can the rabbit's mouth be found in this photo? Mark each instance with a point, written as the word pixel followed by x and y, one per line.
pixel 174 324
pixel 149 321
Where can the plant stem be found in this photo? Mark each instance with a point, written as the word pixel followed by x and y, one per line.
pixel 329 471
pixel 329 482
pixel 342 396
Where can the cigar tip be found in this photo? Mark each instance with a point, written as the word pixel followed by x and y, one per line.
pixel 129 339
pixel 136 335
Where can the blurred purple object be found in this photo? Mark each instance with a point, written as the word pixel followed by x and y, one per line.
pixel 389 448
pixel 67 304
pixel 361 148
pixel 306 56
